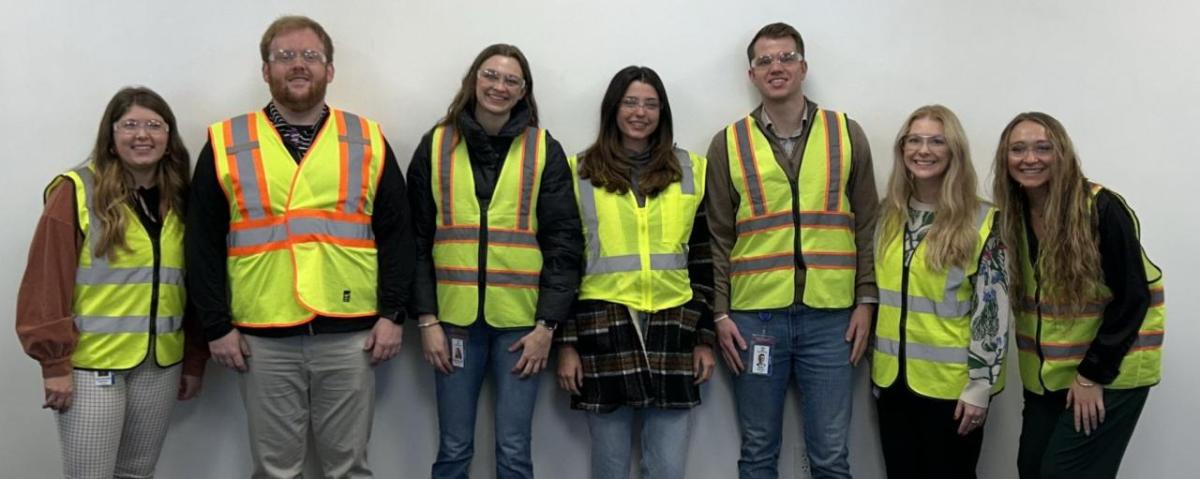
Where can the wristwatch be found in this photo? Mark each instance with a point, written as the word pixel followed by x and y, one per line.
pixel 548 324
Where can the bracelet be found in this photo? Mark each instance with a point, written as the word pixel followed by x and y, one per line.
pixel 720 318
pixel 1081 383
pixel 431 323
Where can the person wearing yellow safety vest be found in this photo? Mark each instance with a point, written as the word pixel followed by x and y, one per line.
pixel 942 327
pixel 1089 307
pixel 299 234
pixel 640 339
pixel 102 303
pixel 791 205
pixel 498 251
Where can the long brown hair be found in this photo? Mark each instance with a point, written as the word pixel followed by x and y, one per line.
pixel 114 183
pixel 953 236
pixel 1068 253
pixel 465 98
pixel 601 162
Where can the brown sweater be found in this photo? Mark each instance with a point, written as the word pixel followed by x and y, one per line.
pixel 723 201
pixel 45 324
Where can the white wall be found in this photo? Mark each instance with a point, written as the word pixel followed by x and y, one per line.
pixel 1121 77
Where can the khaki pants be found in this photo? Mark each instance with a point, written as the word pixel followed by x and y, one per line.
pixel 323 381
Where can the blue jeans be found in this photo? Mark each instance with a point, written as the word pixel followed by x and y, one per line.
pixel 485 349
pixel 808 344
pixel 664 442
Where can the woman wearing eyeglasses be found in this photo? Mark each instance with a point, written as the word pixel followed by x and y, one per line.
pixel 101 305
pixel 640 340
pixel 498 252
pixel 1090 310
pixel 943 303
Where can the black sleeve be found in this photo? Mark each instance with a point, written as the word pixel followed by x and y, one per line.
pixel 207 229
pixel 1125 276
pixel 700 272
pixel 393 239
pixel 424 224
pixel 560 237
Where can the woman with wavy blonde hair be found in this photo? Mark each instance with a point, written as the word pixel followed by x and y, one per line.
pixel 1090 310
pixel 943 306
pixel 101 306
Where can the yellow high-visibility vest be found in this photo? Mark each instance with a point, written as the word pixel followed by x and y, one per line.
pixel 300 239
pixel 122 303
pixel 508 224
pixel 1052 340
pixel 638 256
pixel 933 309
pixel 772 211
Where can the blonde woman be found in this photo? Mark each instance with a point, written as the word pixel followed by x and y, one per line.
pixel 943 306
pixel 101 306
pixel 1090 314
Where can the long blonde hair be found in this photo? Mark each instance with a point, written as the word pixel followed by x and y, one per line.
pixel 954 235
pixel 1068 256
pixel 113 181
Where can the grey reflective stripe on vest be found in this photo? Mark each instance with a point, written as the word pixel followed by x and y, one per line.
pixel 937 354
pixel 334 228
pixel 745 149
pixel 826 219
pixel 833 136
pixel 258 236
pixel 127 324
pixel 498 278
pixel 687 184
pixel 507 237
pixel 355 142
pixel 1026 343
pixel 949 307
pixel 509 278
pixel 95 276
pixel 597 264
pixel 762 223
pixel 763 263
pixel 528 175
pixel 848 260
pixel 456 275
pixel 242 151
pixel 445 174
pixel 1076 351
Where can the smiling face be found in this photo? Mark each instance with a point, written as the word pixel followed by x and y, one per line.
pixel 926 151
pixel 637 117
pixel 499 85
pixel 1031 155
pixel 297 85
pixel 777 81
pixel 140 148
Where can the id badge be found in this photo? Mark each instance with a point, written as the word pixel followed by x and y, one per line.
pixel 457 351
pixel 760 355
pixel 104 378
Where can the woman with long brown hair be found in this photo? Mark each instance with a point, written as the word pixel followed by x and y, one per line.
pixel 101 305
pixel 640 339
pixel 498 247
pixel 1089 311
pixel 943 306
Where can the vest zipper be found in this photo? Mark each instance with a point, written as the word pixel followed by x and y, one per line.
pixel 1037 304
pixel 901 357
pixel 644 254
pixel 483 244
pixel 156 247
pixel 798 257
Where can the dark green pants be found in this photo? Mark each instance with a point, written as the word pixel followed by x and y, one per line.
pixel 1050 447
